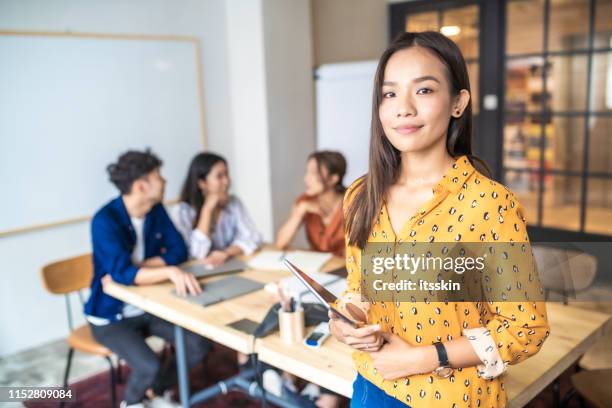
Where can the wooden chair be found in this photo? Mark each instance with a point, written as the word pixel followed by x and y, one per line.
pixel 64 278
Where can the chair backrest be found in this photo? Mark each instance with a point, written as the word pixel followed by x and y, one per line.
pixel 68 275
pixel 564 270
pixel 583 269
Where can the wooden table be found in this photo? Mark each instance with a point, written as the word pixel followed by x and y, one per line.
pixel 573 331
pixel 211 321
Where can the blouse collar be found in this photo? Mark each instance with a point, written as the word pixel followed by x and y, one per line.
pixel 456 176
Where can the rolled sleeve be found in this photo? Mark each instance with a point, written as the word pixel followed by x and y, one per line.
pixel 518 326
pixel 481 341
pixel 199 244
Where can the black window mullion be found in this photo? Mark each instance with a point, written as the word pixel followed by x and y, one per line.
pixel 562 172
pixel 543 117
pixel 559 53
pixel 570 113
pixel 587 130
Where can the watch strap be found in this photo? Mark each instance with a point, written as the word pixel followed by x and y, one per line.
pixel 442 355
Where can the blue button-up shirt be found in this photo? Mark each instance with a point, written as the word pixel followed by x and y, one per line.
pixel 113 239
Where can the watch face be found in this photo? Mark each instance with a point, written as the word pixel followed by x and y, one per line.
pixel 443 372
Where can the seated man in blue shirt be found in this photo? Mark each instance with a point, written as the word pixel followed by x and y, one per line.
pixel 135 243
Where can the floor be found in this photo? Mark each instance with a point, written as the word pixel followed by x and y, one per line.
pixel 44 365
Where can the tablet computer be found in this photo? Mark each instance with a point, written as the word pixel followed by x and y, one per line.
pixel 200 270
pixel 324 296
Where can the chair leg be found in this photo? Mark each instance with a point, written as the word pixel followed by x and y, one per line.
pixel 568 397
pixel 119 372
pixel 556 387
pixel 67 371
pixel 112 381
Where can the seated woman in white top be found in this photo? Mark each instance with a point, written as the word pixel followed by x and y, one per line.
pixel 214 224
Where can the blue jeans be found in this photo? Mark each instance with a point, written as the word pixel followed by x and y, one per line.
pixel 368 395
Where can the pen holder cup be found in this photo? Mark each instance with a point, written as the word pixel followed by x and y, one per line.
pixel 291 326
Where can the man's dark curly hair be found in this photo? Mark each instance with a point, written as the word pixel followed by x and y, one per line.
pixel 131 166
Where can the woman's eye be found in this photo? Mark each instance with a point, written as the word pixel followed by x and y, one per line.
pixel 424 91
pixel 388 94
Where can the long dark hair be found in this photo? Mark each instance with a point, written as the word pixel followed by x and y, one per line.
pixel 199 168
pixel 384 159
pixel 334 162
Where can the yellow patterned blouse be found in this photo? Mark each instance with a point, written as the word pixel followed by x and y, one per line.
pixel 466 207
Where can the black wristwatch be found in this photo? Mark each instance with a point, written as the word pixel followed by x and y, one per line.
pixel 444 369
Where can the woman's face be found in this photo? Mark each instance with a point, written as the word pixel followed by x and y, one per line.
pixel 417 104
pixel 315 182
pixel 217 181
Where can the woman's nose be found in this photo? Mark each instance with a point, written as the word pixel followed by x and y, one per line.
pixel 405 108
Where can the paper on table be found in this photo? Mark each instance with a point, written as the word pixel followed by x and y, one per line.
pixel 267 259
pixel 308 261
pixel 333 283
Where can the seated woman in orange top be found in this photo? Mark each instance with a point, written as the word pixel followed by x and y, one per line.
pixel 319 209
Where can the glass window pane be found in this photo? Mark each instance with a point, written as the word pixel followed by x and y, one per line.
pixel 524 84
pixel 473 72
pixel 522 144
pixel 461 25
pixel 569 25
pixel 525 27
pixel 601 82
pixel 603 23
pixel 525 186
pixel 599 206
pixel 567 143
pixel 600 144
pixel 567 82
pixel 422 22
pixel 561 207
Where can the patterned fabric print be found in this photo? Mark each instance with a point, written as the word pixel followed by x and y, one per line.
pixel 466 207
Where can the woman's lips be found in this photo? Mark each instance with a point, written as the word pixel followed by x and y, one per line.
pixel 407 130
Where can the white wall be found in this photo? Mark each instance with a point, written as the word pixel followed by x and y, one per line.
pixel 290 90
pixel 240 63
pixel 247 92
pixel 29 315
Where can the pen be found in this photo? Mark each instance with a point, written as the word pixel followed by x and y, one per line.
pixel 292 305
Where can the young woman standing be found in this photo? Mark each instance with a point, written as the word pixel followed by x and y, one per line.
pixel 422 186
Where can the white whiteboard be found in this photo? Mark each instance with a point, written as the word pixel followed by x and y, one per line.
pixel 344 110
pixel 70 105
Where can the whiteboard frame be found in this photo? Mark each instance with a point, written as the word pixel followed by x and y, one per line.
pixel 106 36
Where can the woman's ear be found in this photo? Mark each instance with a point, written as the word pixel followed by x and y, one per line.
pixel 332 180
pixel 202 185
pixel 460 103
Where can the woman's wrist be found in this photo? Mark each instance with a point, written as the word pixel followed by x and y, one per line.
pixel 428 359
pixel 207 210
